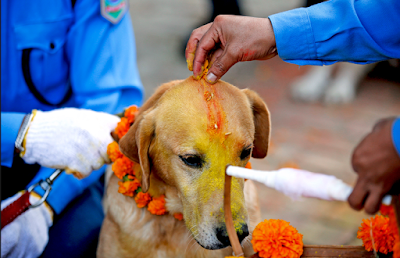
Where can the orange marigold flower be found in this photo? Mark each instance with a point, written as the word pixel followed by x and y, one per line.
pixel 248 165
pixel 113 151
pixel 123 166
pixel 392 221
pixel 142 199
pixel 178 216
pixel 276 238
pixel 383 238
pixel 395 231
pixel 128 188
pixel 396 247
pixel 122 127
pixel 130 113
pixel 385 209
pixel 157 206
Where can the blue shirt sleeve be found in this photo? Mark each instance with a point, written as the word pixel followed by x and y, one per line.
pixel 10 124
pixel 102 56
pixel 357 31
pixel 396 135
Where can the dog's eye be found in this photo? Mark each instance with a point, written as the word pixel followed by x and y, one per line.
pixel 192 161
pixel 245 153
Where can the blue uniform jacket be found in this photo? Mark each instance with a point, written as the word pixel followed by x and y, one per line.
pixel 357 31
pixel 73 56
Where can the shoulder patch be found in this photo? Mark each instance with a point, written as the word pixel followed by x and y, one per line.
pixel 114 10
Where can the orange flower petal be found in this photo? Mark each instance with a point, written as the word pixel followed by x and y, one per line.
pixel 142 199
pixel 130 113
pixel 113 151
pixel 128 188
pixel 248 165
pixel 122 127
pixel 178 216
pixel 157 206
pixel 123 166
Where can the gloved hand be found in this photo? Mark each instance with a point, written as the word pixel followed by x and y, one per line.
pixel 28 234
pixel 72 139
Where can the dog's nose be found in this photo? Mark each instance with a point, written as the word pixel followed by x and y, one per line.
pixel 222 234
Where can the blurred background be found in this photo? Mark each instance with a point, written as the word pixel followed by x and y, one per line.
pixel 318 136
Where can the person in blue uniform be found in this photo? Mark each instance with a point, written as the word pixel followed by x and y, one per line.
pixel 357 31
pixel 71 64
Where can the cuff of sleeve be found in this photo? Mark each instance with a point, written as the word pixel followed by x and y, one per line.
pixel 294 37
pixel 10 124
pixel 396 135
pixel 65 188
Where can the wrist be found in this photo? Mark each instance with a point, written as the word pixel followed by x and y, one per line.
pixel 271 38
pixel 20 142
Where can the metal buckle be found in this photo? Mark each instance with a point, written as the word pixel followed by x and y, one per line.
pixel 46 186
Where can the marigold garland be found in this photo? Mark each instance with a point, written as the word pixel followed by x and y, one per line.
pixel 124 169
pixel 129 185
pixel 113 151
pixel 157 206
pixel 123 166
pixel 276 238
pixel 142 199
pixel 122 127
pixel 130 113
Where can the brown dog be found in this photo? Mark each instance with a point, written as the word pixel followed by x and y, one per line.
pixel 183 138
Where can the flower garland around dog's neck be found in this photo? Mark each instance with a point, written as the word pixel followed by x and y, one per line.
pixel 124 169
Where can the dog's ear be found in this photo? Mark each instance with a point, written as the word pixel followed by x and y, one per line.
pixel 262 124
pixel 136 142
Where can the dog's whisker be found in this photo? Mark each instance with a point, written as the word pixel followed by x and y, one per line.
pixel 193 239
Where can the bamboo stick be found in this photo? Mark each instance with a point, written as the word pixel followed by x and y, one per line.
pixel 233 238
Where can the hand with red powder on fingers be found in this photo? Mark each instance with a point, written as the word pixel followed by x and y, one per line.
pixel 377 164
pixel 229 39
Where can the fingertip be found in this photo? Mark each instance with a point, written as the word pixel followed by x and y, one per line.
pixel 211 78
pixel 357 198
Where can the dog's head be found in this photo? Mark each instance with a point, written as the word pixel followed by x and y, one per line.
pixel 185 135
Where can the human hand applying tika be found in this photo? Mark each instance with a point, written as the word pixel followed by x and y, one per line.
pixel 229 39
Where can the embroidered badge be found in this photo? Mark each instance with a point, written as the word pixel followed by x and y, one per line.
pixel 114 10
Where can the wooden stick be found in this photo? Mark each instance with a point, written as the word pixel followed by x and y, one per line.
pixel 233 238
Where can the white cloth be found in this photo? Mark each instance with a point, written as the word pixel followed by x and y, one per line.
pixel 298 183
pixel 71 139
pixel 28 234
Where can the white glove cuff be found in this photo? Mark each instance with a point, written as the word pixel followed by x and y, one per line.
pixel 36 139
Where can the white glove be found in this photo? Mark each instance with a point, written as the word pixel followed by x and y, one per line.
pixel 72 139
pixel 28 234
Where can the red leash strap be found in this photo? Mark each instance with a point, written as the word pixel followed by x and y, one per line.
pixel 12 211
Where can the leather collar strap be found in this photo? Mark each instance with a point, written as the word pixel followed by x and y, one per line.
pixel 12 211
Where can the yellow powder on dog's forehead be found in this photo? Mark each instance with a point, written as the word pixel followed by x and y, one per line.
pixel 199 122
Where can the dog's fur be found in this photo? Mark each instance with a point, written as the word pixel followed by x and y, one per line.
pixel 187 119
